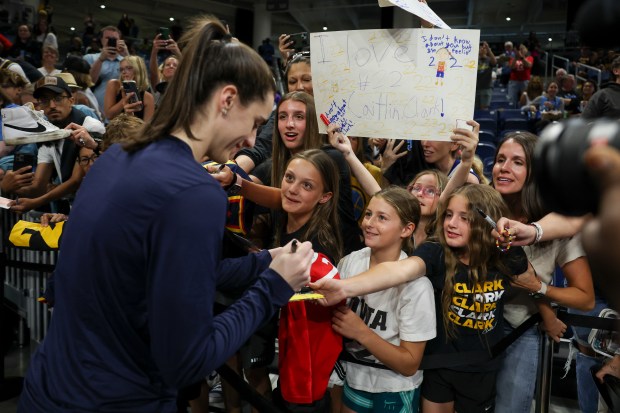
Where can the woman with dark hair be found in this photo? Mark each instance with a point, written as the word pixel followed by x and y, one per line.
pixel 297 130
pixel 131 330
pixel 533 90
pixel 298 78
pixel 514 180
pixel 588 89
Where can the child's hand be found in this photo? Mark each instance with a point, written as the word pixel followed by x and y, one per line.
pixel 348 324
pixel 339 140
pixel 224 175
pixel 467 140
pixel 554 328
pixel 333 291
pixel 391 154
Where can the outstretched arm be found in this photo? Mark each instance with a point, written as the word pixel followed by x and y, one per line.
pixel 554 226
pixel 468 141
pixel 340 141
pixel 71 185
pixel 370 281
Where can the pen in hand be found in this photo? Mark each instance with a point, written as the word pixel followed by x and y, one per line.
pixel 327 122
pixel 218 170
pixel 487 218
pixel 304 289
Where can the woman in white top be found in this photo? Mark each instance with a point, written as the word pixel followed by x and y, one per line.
pixel 49 61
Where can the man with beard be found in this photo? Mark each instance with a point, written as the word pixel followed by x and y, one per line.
pixel 56 159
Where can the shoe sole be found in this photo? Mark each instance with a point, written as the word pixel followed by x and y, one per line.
pixel 38 137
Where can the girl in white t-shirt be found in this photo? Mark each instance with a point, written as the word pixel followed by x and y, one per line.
pixel 387 328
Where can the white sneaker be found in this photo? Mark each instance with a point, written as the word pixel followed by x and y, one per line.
pixel 92 125
pixel 21 125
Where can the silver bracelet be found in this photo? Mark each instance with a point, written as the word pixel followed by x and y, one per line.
pixel 539 232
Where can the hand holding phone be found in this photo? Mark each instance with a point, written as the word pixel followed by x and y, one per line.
pixel 129 86
pixel 164 33
pixel 299 41
pixel 21 160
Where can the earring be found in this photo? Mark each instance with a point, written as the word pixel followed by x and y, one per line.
pixel 224 111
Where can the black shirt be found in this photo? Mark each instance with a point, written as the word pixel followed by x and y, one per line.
pixel 476 311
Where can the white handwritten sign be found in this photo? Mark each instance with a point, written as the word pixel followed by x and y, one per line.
pixel 418 8
pixel 401 84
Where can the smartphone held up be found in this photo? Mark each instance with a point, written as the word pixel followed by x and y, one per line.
pixel 164 33
pixel 130 86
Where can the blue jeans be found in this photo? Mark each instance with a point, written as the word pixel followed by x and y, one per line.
pixel 516 379
pixel 587 393
pixel 515 89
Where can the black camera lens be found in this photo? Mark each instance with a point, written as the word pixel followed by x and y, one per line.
pixel 565 185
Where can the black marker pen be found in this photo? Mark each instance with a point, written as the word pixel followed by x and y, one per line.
pixel 487 218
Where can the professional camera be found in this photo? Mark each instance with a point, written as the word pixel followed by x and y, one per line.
pixel 565 185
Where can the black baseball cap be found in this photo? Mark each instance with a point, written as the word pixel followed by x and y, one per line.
pixel 53 83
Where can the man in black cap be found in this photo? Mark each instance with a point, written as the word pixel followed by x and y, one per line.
pixel 56 159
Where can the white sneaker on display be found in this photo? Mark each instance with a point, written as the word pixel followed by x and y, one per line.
pixel 22 125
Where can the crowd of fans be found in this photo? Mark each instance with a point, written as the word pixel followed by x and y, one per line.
pixel 380 214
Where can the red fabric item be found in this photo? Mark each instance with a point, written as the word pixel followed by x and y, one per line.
pixel 6 43
pixel 521 73
pixel 308 346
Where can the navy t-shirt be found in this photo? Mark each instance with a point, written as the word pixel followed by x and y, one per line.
pixel 135 287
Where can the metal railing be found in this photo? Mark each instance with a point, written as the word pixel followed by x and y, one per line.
pixel 25 276
pixel 558 62
pixel 589 70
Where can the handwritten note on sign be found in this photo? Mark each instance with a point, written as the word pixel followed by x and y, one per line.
pixel 401 84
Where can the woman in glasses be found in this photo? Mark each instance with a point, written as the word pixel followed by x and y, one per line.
pixel 118 100
pixel 428 187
